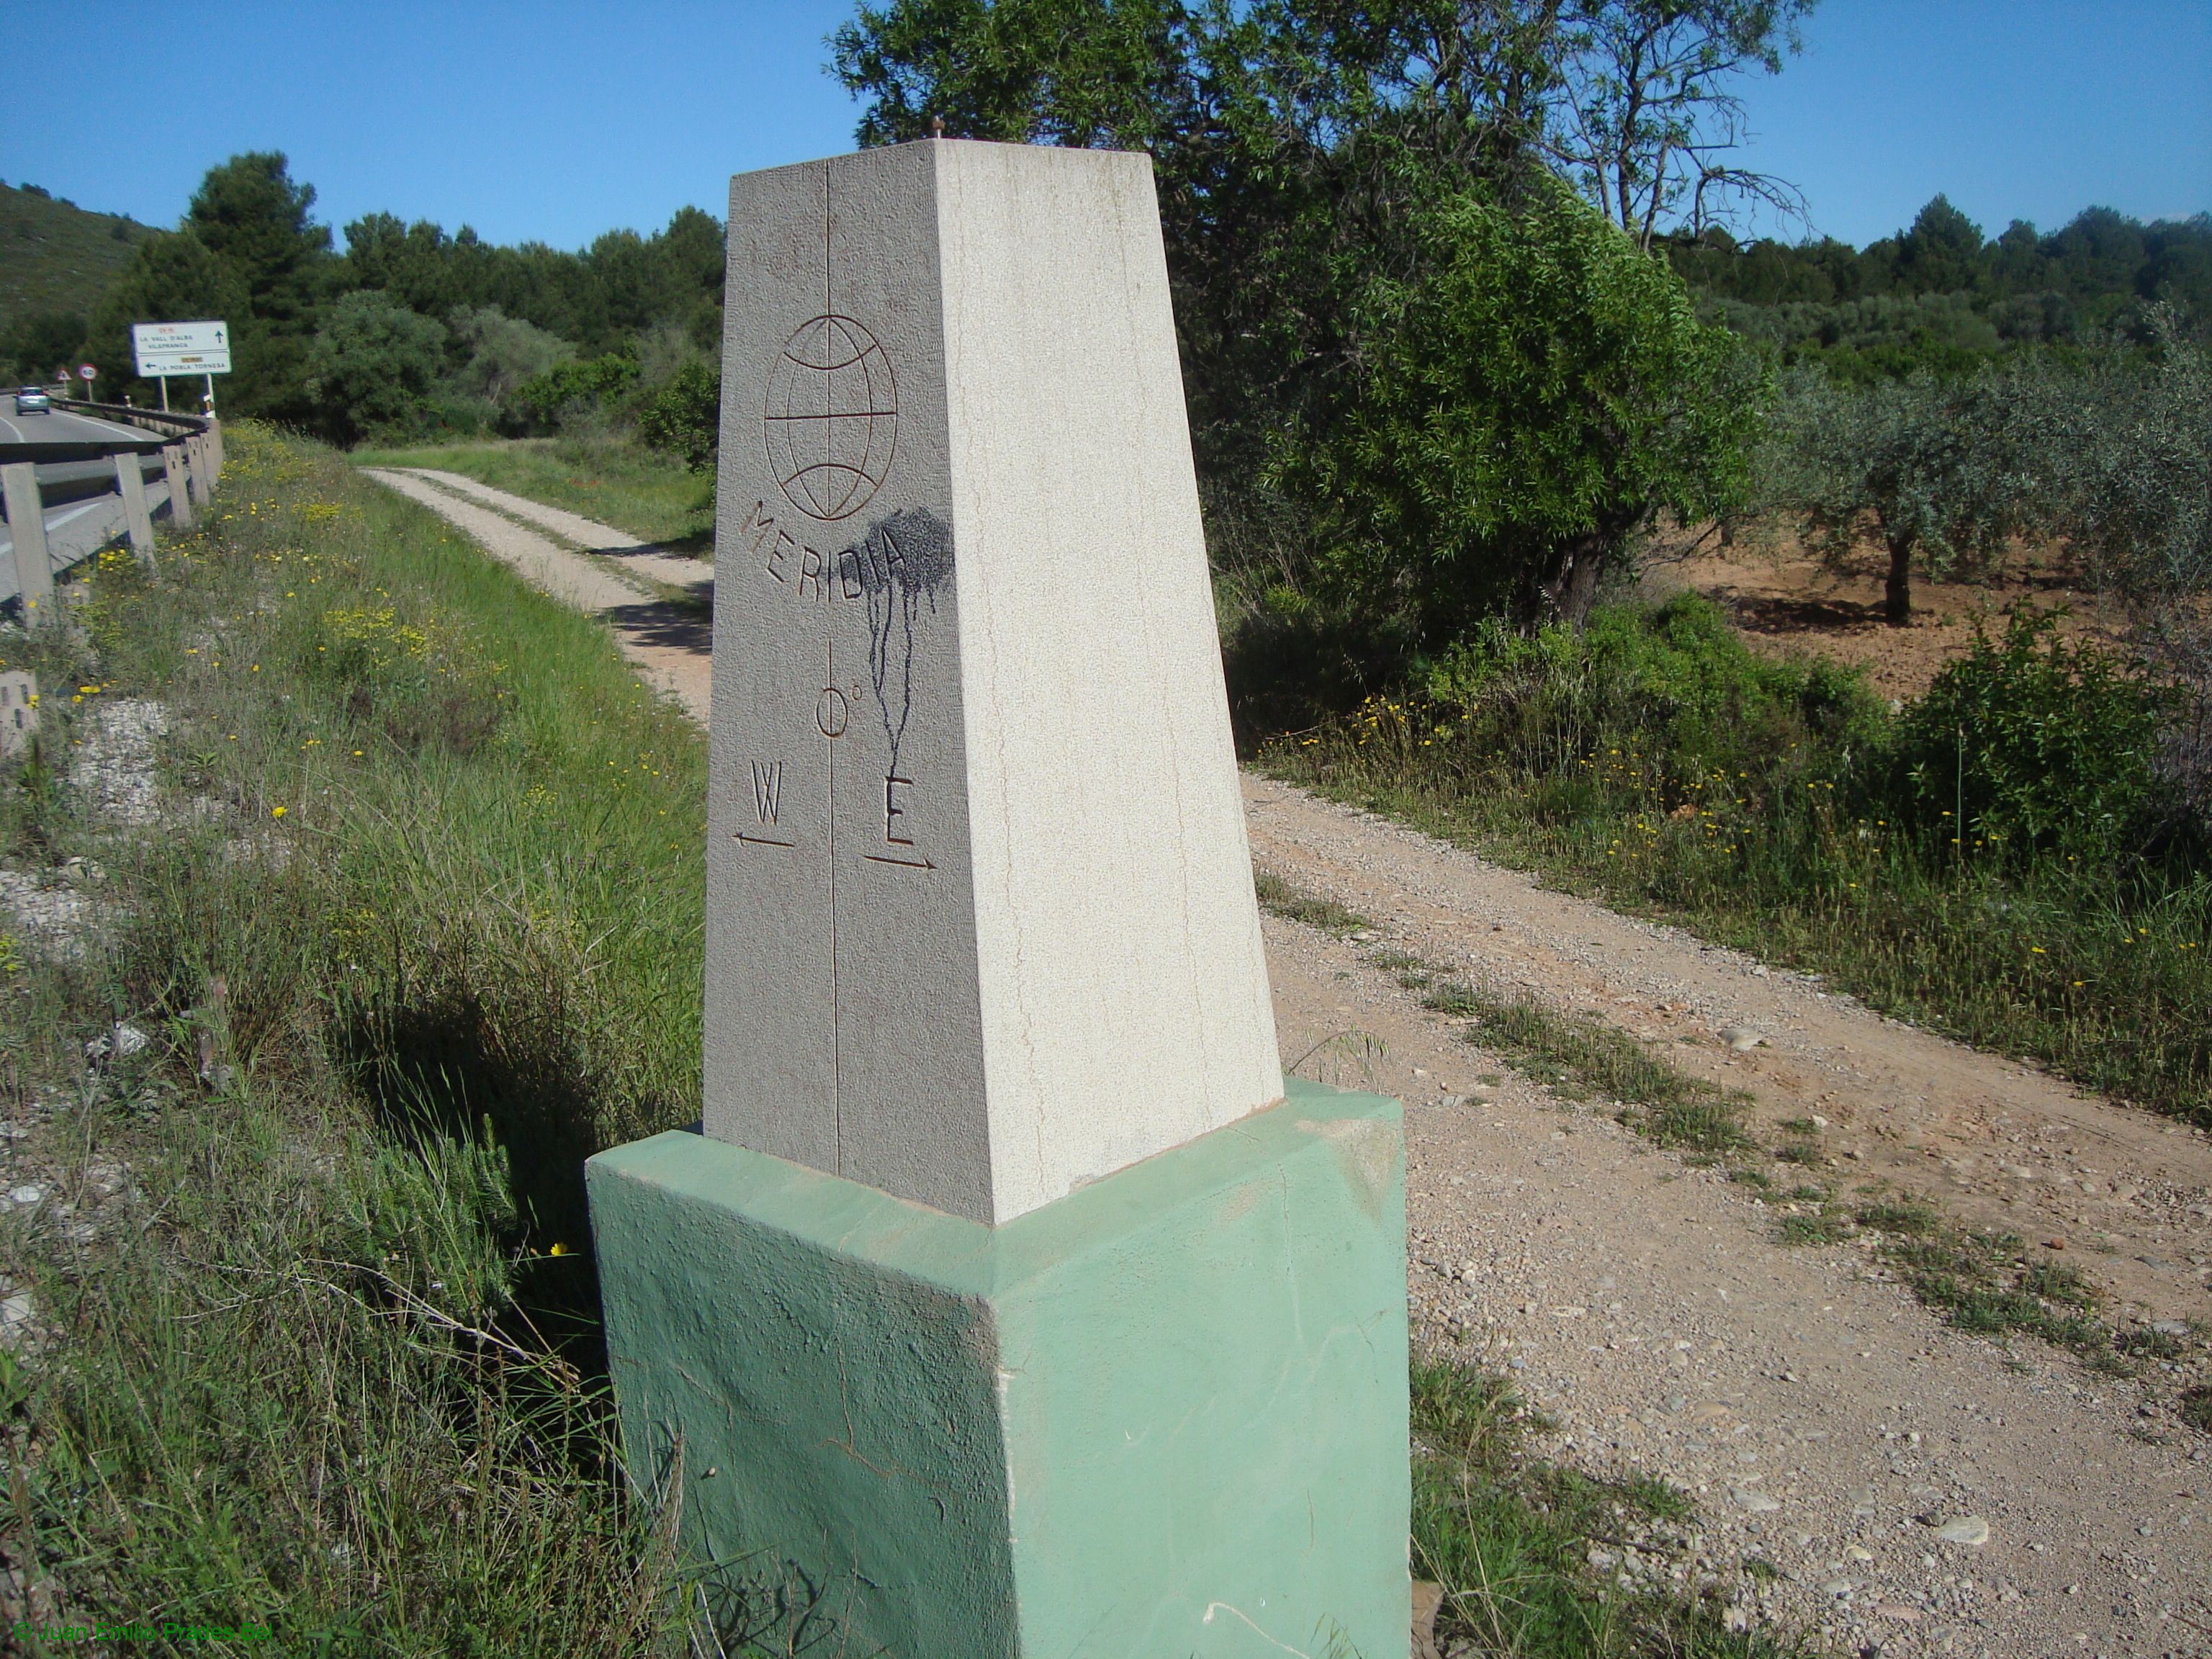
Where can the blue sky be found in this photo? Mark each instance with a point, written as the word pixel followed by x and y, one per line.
pixel 556 121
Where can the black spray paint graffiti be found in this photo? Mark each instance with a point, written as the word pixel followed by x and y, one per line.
pixel 899 566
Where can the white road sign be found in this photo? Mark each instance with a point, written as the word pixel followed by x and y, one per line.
pixel 181 348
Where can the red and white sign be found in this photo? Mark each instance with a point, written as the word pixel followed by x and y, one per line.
pixel 87 372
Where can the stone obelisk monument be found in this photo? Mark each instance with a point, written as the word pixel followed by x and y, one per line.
pixel 1003 1291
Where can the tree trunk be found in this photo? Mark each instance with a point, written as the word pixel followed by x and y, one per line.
pixel 1897 594
pixel 1573 587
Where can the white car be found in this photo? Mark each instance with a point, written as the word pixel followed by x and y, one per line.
pixel 33 400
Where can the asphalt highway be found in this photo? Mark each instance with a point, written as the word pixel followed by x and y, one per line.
pixel 58 426
pixel 82 510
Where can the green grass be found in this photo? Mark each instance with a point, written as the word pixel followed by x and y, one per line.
pixel 1579 1057
pixel 2196 1408
pixel 420 931
pixel 1657 766
pixel 1280 898
pixel 618 484
pixel 1532 1557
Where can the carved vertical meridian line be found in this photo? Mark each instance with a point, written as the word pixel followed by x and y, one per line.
pixel 829 758
pixel 830 773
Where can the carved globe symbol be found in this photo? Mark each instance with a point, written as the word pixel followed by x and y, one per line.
pixel 831 417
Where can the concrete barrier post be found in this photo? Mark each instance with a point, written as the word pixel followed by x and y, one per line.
pixel 130 475
pixel 27 527
pixel 173 471
pixel 215 444
pixel 202 484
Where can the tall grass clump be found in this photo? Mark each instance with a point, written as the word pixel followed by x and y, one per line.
pixel 387 901
pixel 2007 858
pixel 288 1386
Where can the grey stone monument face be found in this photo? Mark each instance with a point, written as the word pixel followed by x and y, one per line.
pixel 980 919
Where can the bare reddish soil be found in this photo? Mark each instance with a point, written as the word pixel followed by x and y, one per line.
pixel 1783 596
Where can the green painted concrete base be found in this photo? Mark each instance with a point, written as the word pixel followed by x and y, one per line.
pixel 1165 1416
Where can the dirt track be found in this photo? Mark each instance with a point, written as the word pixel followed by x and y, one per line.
pixel 670 639
pixel 1827 1423
pixel 1818 1412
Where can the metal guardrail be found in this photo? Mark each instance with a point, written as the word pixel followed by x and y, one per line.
pixel 175 418
pixel 94 449
pixel 190 448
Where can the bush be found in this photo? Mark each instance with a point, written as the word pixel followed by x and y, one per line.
pixel 373 363
pixel 504 353
pixel 1776 807
pixel 1672 687
pixel 545 401
pixel 1519 410
pixel 2036 747
pixel 683 418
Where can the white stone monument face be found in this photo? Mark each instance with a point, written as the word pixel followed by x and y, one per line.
pixel 979 917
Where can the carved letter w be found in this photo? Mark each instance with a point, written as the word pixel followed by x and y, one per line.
pixel 767 789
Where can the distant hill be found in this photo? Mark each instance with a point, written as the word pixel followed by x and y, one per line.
pixel 54 256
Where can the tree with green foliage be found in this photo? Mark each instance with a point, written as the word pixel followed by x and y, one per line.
pixel 1516 415
pixel 1939 297
pixel 173 276
pixel 504 352
pixel 1942 471
pixel 1943 252
pixel 2136 451
pixel 254 219
pixel 1295 139
pixel 566 390
pixel 372 364
pixel 34 345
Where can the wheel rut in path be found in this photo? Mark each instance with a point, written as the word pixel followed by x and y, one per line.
pixel 1821 1417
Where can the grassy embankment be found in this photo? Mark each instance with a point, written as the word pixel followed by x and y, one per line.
pixel 1655 764
pixel 415 928
pixel 615 483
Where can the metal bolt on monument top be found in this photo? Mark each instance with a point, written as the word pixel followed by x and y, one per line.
pixel 1003 1291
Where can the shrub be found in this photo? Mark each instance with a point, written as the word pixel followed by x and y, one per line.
pixel 544 401
pixel 373 362
pixel 2034 746
pixel 1519 410
pixel 1780 809
pixel 1670 686
pixel 683 418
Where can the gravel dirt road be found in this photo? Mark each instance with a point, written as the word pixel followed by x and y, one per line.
pixel 1835 1433
pixel 1829 1425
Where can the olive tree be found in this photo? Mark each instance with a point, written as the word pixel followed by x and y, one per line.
pixel 1934 468
pixel 2113 453
pixel 2138 450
